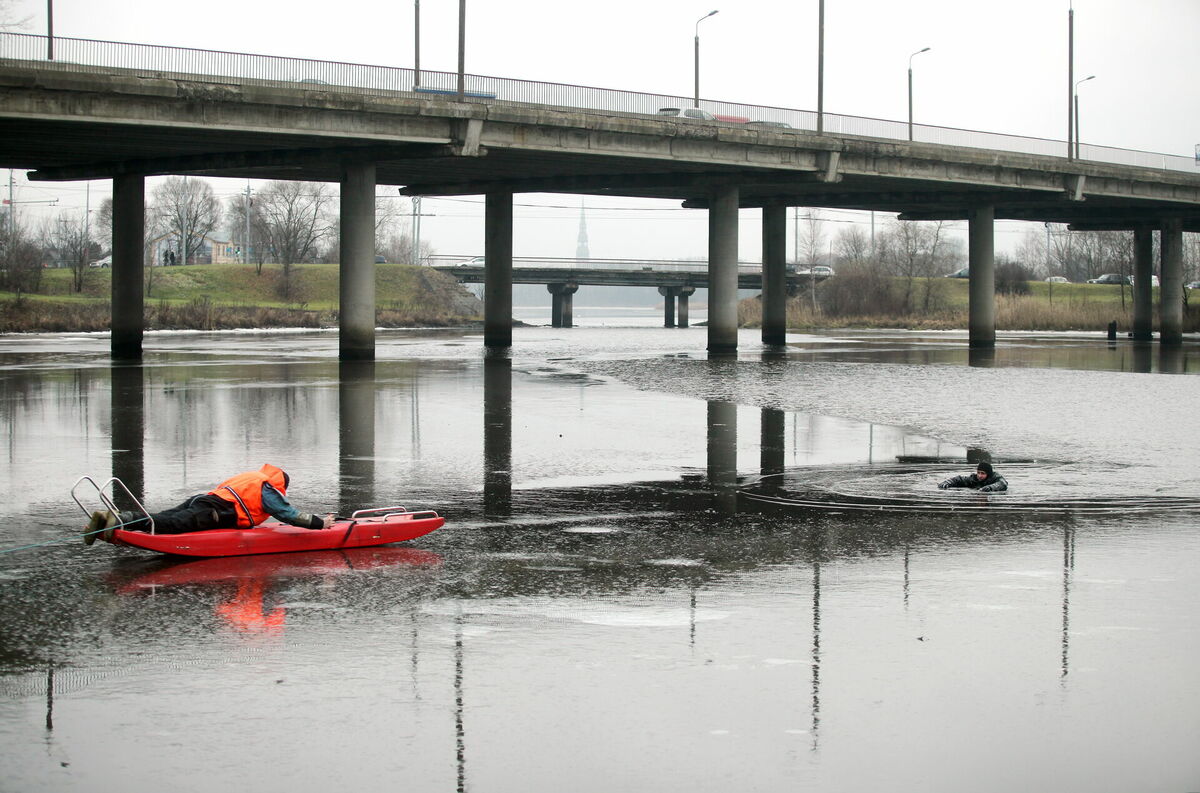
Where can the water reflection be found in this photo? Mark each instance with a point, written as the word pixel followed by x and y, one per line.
pixel 497 435
pixel 128 412
pixel 356 436
pixel 722 455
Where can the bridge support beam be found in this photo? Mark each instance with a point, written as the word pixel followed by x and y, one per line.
pixel 684 293
pixel 669 293
pixel 562 296
pixel 356 331
pixel 497 274
pixel 1170 292
pixel 774 284
pixel 722 270
pixel 128 267
pixel 1143 269
pixel 981 321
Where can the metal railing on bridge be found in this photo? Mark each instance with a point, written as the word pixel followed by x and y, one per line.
pixel 86 55
pixel 619 265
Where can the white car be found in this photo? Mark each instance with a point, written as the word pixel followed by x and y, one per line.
pixel 1057 279
pixel 1153 280
pixel 473 262
pixel 687 112
pixel 1193 285
pixel 105 262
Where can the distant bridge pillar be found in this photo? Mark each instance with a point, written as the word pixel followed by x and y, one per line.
pixel 561 298
pixel 1170 292
pixel 981 321
pixel 128 266
pixel 774 276
pixel 668 293
pixel 497 271
pixel 684 293
pixel 356 331
pixel 1143 270
pixel 722 270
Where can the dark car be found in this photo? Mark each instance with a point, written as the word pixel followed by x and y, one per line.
pixel 1109 278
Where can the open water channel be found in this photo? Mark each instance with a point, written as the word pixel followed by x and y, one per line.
pixel 658 571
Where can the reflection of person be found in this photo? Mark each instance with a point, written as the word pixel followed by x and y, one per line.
pixel 984 480
pixel 240 502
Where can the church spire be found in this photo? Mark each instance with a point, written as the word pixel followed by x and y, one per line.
pixel 581 245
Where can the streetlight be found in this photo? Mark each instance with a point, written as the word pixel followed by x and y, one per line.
pixel 1079 83
pixel 910 57
pixel 698 21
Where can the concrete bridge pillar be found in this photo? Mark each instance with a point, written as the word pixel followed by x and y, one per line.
pixel 981 320
pixel 497 272
pixel 722 270
pixel 684 293
pixel 128 266
pixel 1170 292
pixel 356 334
pixel 561 298
pixel 668 293
pixel 1143 269
pixel 774 284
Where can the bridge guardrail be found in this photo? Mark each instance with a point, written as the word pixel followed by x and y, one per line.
pixel 626 265
pixel 154 60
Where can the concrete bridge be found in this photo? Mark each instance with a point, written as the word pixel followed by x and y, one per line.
pixel 122 111
pixel 675 280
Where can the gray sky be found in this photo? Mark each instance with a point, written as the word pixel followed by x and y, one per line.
pixel 1000 67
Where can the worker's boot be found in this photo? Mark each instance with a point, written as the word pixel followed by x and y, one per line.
pixel 93 527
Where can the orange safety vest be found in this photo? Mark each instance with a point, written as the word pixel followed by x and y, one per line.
pixel 244 491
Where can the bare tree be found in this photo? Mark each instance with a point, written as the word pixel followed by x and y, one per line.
pixel 187 210
pixel 853 245
pixel 296 219
pixel 255 247
pixel 20 261
pixel 812 237
pixel 8 18
pixel 71 245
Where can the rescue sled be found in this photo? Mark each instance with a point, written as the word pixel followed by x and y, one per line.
pixel 364 528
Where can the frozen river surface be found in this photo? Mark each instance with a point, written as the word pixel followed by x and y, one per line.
pixel 658 572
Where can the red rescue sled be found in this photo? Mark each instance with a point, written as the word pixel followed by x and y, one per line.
pixel 364 528
pixel 359 531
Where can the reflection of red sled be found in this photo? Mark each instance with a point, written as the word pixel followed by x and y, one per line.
pixel 364 528
pixel 261 568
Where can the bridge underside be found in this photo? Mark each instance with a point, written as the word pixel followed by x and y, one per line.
pixel 97 124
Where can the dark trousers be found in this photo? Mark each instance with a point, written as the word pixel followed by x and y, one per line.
pixel 198 513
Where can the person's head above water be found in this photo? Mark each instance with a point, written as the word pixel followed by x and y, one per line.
pixel 983 470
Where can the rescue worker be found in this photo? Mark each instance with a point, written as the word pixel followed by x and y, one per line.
pixel 240 502
pixel 985 480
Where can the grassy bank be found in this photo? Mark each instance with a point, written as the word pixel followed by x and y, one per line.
pixel 217 297
pixel 1082 307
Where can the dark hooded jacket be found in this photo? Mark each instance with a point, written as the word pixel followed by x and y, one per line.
pixel 993 484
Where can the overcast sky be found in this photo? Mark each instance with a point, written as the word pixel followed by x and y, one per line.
pixel 995 66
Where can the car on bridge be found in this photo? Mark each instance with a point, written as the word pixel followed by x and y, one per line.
pixel 771 124
pixel 687 112
pixel 963 273
pixel 1109 278
pixel 820 271
pixel 476 261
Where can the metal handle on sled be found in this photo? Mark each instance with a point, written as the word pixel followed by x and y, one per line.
pixel 387 512
pixel 107 500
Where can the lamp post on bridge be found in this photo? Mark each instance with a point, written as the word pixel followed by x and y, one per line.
pixel 910 113
pixel 1076 93
pixel 696 99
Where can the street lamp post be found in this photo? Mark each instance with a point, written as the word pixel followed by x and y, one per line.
pixel 1076 93
pixel 910 116
pixel 416 43
pixel 696 100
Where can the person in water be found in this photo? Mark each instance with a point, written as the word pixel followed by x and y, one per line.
pixel 985 480
pixel 240 502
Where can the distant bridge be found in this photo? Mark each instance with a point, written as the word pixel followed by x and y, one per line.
pixel 676 279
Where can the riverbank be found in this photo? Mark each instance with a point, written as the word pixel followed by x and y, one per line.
pixel 225 297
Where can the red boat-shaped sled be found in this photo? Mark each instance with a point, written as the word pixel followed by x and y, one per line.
pixel 364 528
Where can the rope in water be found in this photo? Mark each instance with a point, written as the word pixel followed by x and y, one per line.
pixel 72 538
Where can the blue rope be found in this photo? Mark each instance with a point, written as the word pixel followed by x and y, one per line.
pixel 72 538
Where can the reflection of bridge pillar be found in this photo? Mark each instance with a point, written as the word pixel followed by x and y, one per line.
pixel 560 303
pixel 1143 298
pixel 771 443
pixel 981 357
pixel 128 413
pixel 128 268
pixel 1142 358
pixel 774 275
pixel 1171 359
pixel 722 269
pixel 356 309
pixel 684 293
pixel 981 311
pixel 497 270
pixel 668 293
pixel 356 436
pixel 497 435
pixel 1170 290
pixel 722 454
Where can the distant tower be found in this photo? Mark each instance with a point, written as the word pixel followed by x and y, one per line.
pixel 581 245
